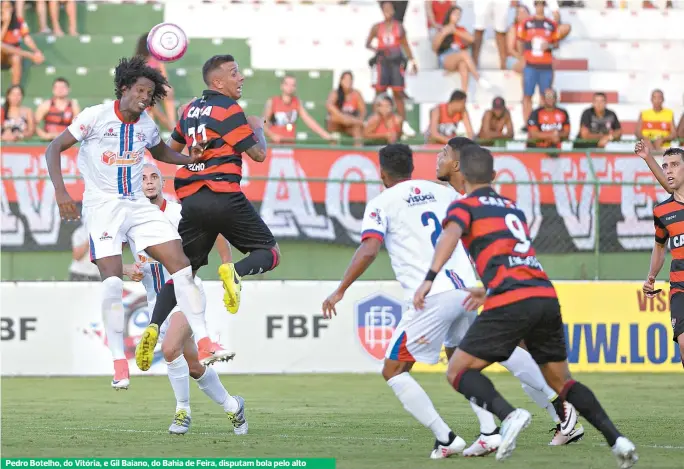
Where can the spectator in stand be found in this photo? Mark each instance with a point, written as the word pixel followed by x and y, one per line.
pixel 384 125
pixel 496 125
pixel 14 32
pixel 657 124
pixel 537 36
pixel 680 130
pixel 516 60
pixel 445 118
pixel 53 7
pixel 451 46
pixel 346 109
pixel 436 12
pixel 497 11
pixel 548 125
pixel 81 268
pixel 16 120
pixel 552 11
pixel 598 125
pixel 168 117
pixel 281 114
pixel 399 9
pixel 57 113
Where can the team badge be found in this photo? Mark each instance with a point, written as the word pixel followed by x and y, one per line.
pixel 376 317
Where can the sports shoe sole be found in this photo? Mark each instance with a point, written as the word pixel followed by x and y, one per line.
pixel 220 356
pixel 508 441
pixel 231 298
pixel 144 351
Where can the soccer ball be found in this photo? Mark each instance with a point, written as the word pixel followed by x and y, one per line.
pixel 167 42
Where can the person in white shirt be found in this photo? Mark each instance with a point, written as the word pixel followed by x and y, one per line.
pixel 114 138
pixel 497 11
pixel 81 268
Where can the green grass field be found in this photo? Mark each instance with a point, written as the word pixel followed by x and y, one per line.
pixel 354 418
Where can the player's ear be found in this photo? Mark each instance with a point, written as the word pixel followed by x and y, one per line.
pixel 493 176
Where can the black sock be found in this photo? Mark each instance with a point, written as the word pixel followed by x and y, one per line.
pixel 589 407
pixel 559 408
pixel 257 262
pixel 166 301
pixel 452 437
pixel 476 386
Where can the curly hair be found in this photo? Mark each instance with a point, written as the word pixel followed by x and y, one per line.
pixel 129 70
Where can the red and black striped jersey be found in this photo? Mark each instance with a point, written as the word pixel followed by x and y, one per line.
pixel 496 235
pixel 219 122
pixel 668 218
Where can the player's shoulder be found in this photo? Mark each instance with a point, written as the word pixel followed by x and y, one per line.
pixel 666 206
pixel 216 99
pixel 99 111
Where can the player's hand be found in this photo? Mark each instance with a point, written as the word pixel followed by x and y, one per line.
pixel 421 293
pixel 643 149
pixel 648 287
pixel 196 153
pixel 255 122
pixel 67 206
pixel 330 302
pixel 475 299
pixel 134 272
pixel 413 67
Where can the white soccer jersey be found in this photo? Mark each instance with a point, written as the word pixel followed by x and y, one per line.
pixel 111 154
pixel 408 217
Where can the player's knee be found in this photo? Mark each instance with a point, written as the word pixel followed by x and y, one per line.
pixel 392 368
pixel 196 368
pixel 112 287
pixel 277 256
pixel 170 351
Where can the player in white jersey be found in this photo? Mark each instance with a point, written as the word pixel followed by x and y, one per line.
pixel 407 217
pixel 179 350
pixel 113 139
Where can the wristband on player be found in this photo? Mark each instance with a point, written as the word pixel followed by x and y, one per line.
pixel 431 275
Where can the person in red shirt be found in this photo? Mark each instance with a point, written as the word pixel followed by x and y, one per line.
pixel 548 125
pixel 14 32
pixel 346 109
pixel 445 119
pixel 56 114
pixel 384 125
pixel 436 12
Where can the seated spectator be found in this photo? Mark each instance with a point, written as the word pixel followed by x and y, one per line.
pixel 384 125
pixel 552 11
pixel 436 11
pixel 281 115
pixel 166 118
pixel 598 125
pixel 14 32
pixel 497 124
pixel 56 114
pixel 516 60
pixel 16 120
pixel 657 124
pixel 451 45
pixel 81 268
pixel 53 7
pixel 346 109
pixel 548 125
pixel 445 118
pixel 680 130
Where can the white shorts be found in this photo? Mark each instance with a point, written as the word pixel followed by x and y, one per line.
pixel 496 10
pixel 165 326
pixel 420 334
pixel 138 220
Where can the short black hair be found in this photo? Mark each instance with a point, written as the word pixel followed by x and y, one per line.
pixel 63 80
pixel 213 63
pixel 457 143
pixel 674 151
pixel 396 159
pixel 458 95
pixel 601 94
pixel 477 164
pixel 130 70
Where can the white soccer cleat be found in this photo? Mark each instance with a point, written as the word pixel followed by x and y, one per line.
pixel 238 419
pixel 625 452
pixel 559 439
pixel 121 384
pixel 441 451
pixel 121 378
pixel 483 446
pixel 511 427
pixel 181 423
pixel 567 425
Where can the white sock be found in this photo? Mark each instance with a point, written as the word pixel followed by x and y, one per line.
pixel 487 422
pixel 418 403
pixel 542 401
pixel 190 301
pixel 211 385
pixel 179 375
pixel 522 366
pixel 113 315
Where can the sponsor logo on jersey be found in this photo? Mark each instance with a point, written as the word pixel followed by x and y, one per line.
pixel 375 318
pixel 128 158
pixel 105 236
pixel 111 133
pixel 418 197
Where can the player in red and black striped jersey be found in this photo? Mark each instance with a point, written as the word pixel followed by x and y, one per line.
pixel 520 304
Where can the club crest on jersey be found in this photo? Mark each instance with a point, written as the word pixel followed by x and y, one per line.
pixel 376 217
pixel 418 197
pixel 375 318
pixel 111 133
pixel 140 136
pixel 128 158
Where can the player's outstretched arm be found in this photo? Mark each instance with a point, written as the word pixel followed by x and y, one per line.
pixel 162 152
pixel 53 158
pixel 643 149
pixel 258 151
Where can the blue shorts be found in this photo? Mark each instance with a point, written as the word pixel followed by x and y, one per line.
pixel 533 77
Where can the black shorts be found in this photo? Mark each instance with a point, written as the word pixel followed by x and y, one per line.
pixel 677 315
pixel 496 332
pixel 206 214
pixel 389 74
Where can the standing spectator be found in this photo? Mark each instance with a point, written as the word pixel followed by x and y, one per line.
pixel 451 45
pixel 168 117
pixel 346 109
pixel 548 125
pixel 16 120
pixel 384 125
pixel 657 124
pixel 552 11
pixel 497 11
pixel 517 60
pixel 680 130
pixel 436 12
pixel 53 7
pixel 82 269
pixel 389 60
pixel 56 114
pixel 399 9
pixel 14 32
pixel 496 125
pixel 445 118
pixel 281 114
pixel 598 125
pixel 537 35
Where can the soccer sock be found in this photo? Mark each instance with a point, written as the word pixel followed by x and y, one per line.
pixel 589 407
pixel 476 386
pixel 211 385
pixel 179 375
pixel 113 315
pixel 191 302
pixel 166 301
pixel 542 401
pixel 487 422
pixel 418 403
pixel 257 262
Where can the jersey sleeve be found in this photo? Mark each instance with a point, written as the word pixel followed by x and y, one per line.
pixel 83 124
pixel 661 233
pixel 177 133
pixel 458 212
pixel 233 127
pixel 533 120
pixel 374 224
pixel 154 139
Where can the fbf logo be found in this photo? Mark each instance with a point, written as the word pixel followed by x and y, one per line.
pixel 376 319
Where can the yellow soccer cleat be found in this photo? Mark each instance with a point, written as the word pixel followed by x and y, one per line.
pixel 144 351
pixel 232 285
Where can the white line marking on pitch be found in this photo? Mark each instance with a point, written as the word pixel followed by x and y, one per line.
pixel 677 448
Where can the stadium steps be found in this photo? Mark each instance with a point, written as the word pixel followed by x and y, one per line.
pixel 585 97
